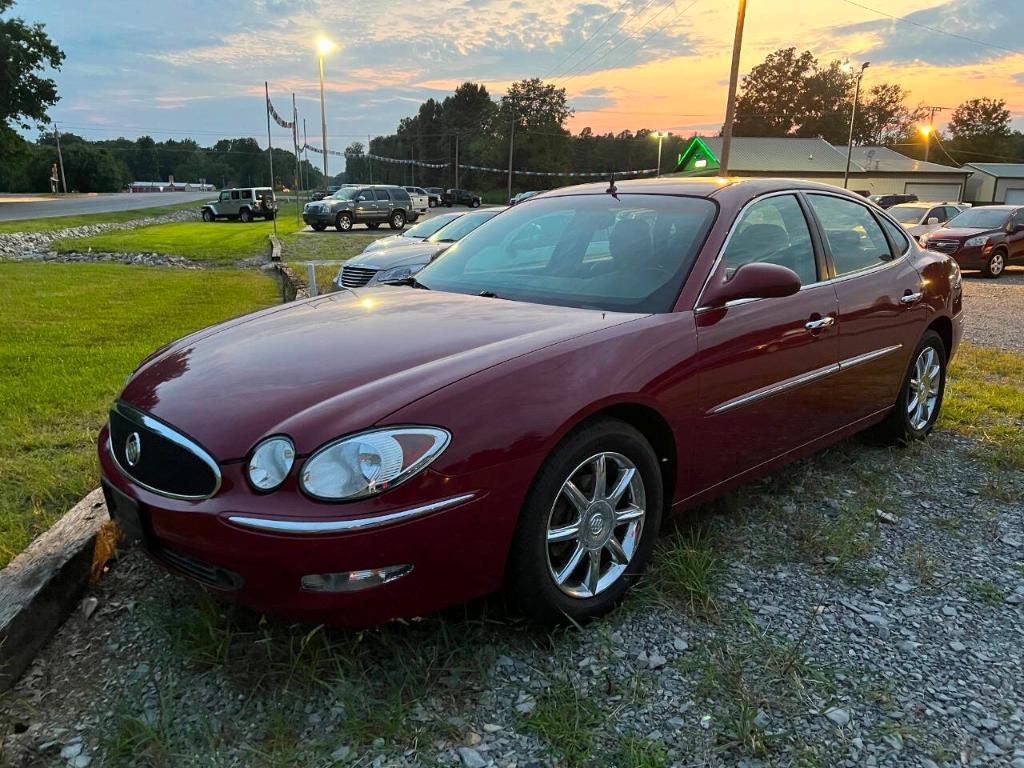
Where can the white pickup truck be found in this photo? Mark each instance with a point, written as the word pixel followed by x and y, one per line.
pixel 420 199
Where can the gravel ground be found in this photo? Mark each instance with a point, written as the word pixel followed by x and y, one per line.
pixel 849 611
pixel 995 309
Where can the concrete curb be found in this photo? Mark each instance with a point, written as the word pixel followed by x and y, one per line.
pixel 40 587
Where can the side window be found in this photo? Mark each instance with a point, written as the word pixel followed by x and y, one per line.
pixel 773 231
pixel 853 235
pixel 382 194
pixel 247 194
pixel 225 195
pixel 366 196
pixel 950 213
pixel 400 195
pixel 234 194
pixel 897 235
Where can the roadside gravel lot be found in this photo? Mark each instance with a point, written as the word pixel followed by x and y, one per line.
pixel 995 316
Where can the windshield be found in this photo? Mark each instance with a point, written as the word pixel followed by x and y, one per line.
pixel 629 253
pixel 461 227
pixel 979 218
pixel 429 226
pixel 347 193
pixel 906 214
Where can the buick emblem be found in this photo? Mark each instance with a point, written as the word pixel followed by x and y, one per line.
pixel 132 449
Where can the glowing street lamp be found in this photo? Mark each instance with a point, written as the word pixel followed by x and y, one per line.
pixel 926 134
pixel 660 136
pixel 323 47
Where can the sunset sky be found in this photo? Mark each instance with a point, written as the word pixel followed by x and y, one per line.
pixel 196 69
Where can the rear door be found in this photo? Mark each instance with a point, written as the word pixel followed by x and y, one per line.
pixel 881 312
pixel 767 366
pixel 383 208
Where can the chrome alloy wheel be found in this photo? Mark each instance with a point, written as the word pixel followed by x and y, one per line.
pixel 924 388
pixel 996 264
pixel 594 525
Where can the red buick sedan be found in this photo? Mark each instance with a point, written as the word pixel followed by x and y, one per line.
pixel 526 409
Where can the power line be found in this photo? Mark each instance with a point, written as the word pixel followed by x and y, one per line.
pixel 937 30
pixel 592 36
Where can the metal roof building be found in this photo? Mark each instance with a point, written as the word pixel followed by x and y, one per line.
pixel 873 170
pixel 996 183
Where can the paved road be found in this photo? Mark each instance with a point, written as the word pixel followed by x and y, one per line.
pixel 43 206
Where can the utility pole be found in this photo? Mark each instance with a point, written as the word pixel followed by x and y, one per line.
pixel 369 160
pixel 930 129
pixel 298 168
pixel 270 146
pixel 853 117
pixel 456 160
pixel 412 162
pixel 305 153
pixel 323 47
pixel 60 160
pixel 734 74
pixel 511 144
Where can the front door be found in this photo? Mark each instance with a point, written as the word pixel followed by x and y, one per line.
pixel 1015 238
pixel 881 307
pixel 766 367
pixel 366 206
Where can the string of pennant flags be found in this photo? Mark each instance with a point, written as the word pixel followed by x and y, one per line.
pixel 290 125
pixel 486 169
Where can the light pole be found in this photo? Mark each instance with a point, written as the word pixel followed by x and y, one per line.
pixel 660 136
pixel 734 75
pixel 323 47
pixel 853 117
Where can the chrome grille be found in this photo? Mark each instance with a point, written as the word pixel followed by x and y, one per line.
pixel 945 246
pixel 356 277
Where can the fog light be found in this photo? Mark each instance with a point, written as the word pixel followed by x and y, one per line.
pixel 353 581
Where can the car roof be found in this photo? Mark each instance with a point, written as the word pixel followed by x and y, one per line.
pixel 701 186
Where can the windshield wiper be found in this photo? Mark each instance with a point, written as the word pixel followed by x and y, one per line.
pixel 410 281
pixel 489 295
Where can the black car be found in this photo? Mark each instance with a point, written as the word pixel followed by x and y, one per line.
pixel 888 201
pixel 461 197
pixel 435 196
pixel 369 205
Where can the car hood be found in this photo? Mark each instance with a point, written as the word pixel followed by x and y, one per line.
pixel 962 232
pixel 339 363
pixel 391 241
pixel 399 255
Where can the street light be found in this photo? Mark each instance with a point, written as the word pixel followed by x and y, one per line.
pixel 660 136
pixel 926 134
pixel 853 116
pixel 323 47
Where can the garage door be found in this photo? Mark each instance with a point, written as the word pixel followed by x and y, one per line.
pixel 935 193
pixel 1015 196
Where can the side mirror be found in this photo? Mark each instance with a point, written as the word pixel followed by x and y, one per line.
pixel 757 280
pixel 933 220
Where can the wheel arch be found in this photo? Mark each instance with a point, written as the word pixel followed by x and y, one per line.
pixel 943 326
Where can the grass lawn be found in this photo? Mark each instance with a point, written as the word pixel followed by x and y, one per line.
pixel 63 222
pixel 220 242
pixel 72 333
pixel 300 247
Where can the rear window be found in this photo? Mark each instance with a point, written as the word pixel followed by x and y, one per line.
pixel 629 253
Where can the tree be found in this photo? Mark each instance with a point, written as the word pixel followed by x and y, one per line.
pixel 772 100
pixel 884 117
pixel 827 100
pixel 25 94
pixel 980 118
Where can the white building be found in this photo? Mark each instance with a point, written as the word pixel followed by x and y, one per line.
pixel 996 183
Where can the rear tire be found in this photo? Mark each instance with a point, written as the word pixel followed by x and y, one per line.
pixel 397 220
pixel 245 215
pixel 475 204
pixel 554 580
pixel 343 222
pixel 920 399
pixel 208 215
pixel 996 264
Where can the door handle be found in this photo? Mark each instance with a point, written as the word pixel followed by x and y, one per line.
pixel 817 325
pixel 911 298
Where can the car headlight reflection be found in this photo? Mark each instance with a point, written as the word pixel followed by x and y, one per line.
pixel 397 273
pixel 271 462
pixel 371 463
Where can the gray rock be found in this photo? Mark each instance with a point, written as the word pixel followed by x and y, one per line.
pixel 341 753
pixel 71 751
pixel 471 758
pixel 838 716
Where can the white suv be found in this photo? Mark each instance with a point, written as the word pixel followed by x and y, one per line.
pixel 420 199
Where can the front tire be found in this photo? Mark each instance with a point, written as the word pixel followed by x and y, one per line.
pixel 397 220
pixel 588 525
pixel 208 215
pixel 996 264
pixel 343 222
pixel 475 204
pixel 920 400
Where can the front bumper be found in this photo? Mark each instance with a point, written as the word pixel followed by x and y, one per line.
pixel 972 258
pixel 317 217
pixel 255 548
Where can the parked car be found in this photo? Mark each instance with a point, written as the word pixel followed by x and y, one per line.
pixel 415 234
pixel 402 261
pixel 527 408
pixel 461 197
pixel 420 199
pixel 369 205
pixel 920 218
pixel 989 238
pixel 244 204
pixel 435 196
pixel 888 201
pixel 519 197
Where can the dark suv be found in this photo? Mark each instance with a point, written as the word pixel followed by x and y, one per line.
pixel 369 205
pixel 461 197
pixel 989 238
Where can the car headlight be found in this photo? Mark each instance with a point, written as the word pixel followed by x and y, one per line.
pixel 923 241
pixel 397 273
pixel 973 242
pixel 271 462
pixel 371 463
